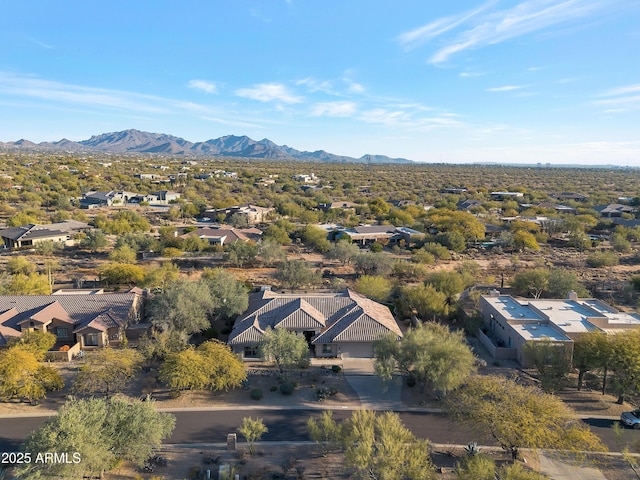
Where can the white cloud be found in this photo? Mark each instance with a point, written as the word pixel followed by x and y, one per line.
pixel 269 92
pixel 61 93
pixel 405 119
pixel 496 26
pixel 205 86
pixel 420 35
pixel 622 90
pixel 622 98
pixel 505 88
pixel 356 88
pixel 334 109
pixel 470 74
pixel 315 85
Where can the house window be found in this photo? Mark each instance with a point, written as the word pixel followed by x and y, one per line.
pixel 62 332
pixel 91 339
pixel 327 348
pixel 251 352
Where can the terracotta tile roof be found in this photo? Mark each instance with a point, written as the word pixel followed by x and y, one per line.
pixel 80 308
pixel 47 313
pixel 6 333
pixel 102 322
pixel 340 317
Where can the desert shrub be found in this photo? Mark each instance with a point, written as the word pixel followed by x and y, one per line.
pixel 256 394
pixel 602 259
pixel 324 393
pixel 273 388
pixel 287 388
pixel 336 368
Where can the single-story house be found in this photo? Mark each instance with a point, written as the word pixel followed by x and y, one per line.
pixel 94 199
pixel 91 319
pixel 253 213
pixel 334 324
pixel 614 210
pixel 367 234
pixel 576 197
pixel 510 323
pixel 226 235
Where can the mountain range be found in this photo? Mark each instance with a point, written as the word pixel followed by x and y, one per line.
pixel 135 141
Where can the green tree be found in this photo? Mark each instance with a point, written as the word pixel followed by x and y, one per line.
pixel 525 240
pixel 183 306
pixel 343 251
pixel 562 281
pixel 590 352
pixel 278 234
pixel 431 353
pixel 252 431
pixel 316 238
pixel 625 363
pixel 20 266
pixel 270 252
pixel 518 416
pixel 373 264
pixel 123 254
pixel 534 282
pixel 425 300
pixel 103 432
pixel 450 283
pixel 230 295
pixel 212 365
pixel 296 274
pixel 461 222
pixel 23 377
pixel 241 253
pixel 287 349
pixel 20 284
pixel 375 287
pixel 94 240
pixel 161 276
pixel 107 371
pixel 325 431
pixel 381 447
pixel 22 218
pixel 121 274
pixel 34 341
pixel 552 360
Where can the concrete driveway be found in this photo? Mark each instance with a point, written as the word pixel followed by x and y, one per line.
pixel 373 393
pixel 556 469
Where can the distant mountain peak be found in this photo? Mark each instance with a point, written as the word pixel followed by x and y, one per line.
pixel 136 141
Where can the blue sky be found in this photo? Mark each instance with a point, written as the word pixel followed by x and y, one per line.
pixel 551 81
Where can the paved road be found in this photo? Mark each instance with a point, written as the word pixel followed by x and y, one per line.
pixel 290 425
pixel 284 425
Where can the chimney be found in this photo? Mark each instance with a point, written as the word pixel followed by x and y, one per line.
pixel 494 293
pixel 572 295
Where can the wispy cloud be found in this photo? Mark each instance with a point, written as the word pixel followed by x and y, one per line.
pixel 334 109
pixel 203 85
pixel 56 92
pixel 505 88
pixel 423 34
pixel 314 85
pixel 406 119
pixel 621 98
pixel 622 90
pixel 269 92
pixel 470 74
pixel 495 26
pixel 40 43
